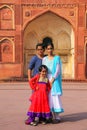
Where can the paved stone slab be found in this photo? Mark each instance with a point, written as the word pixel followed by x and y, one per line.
pixel 14 105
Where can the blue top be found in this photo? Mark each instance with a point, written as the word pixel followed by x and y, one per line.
pixel 34 64
pixel 52 69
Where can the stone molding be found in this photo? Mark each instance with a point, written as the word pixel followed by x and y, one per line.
pixel 53 5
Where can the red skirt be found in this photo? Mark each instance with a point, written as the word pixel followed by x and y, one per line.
pixel 39 102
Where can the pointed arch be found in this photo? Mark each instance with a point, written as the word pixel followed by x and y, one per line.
pixel 44 12
pixel 49 24
pixel 65 41
pixel 6 17
pixel 7 50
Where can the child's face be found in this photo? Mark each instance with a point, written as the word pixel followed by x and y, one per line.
pixel 43 72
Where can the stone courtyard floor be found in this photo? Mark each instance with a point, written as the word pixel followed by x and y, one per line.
pixel 14 104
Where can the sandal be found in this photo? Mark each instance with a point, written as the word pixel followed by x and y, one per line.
pixel 49 120
pixel 43 122
pixel 27 122
pixel 55 121
pixel 35 123
pixel 31 123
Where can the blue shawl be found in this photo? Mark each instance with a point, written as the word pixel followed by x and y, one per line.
pixel 57 84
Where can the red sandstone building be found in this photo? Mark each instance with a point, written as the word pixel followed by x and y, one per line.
pixel 24 23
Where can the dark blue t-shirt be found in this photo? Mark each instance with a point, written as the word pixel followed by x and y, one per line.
pixel 34 64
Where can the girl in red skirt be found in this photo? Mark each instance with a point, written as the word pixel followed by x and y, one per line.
pixel 39 107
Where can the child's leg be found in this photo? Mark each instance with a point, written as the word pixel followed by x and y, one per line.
pixel 37 119
pixel 36 122
pixel 32 119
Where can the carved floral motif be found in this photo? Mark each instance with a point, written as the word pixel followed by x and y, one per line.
pixel 27 13
pixel 52 5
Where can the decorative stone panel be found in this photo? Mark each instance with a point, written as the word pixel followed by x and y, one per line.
pixel 6 51
pixel 6 18
pixel 80 55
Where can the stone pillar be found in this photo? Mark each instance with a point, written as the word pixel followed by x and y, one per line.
pixel 80 47
pixel 18 37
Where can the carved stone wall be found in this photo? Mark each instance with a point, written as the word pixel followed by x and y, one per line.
pixel 18 35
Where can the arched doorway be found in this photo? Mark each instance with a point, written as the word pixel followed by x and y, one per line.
pixel 61 32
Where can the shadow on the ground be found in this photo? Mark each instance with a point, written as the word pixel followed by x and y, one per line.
pixel 74 117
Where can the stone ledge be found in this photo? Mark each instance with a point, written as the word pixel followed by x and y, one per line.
pixel 22 79
pixel 25 86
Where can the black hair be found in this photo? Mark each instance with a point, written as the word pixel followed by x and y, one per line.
pixel 47 41
pixel 39 44
pixel 51 44
pixel 43 66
